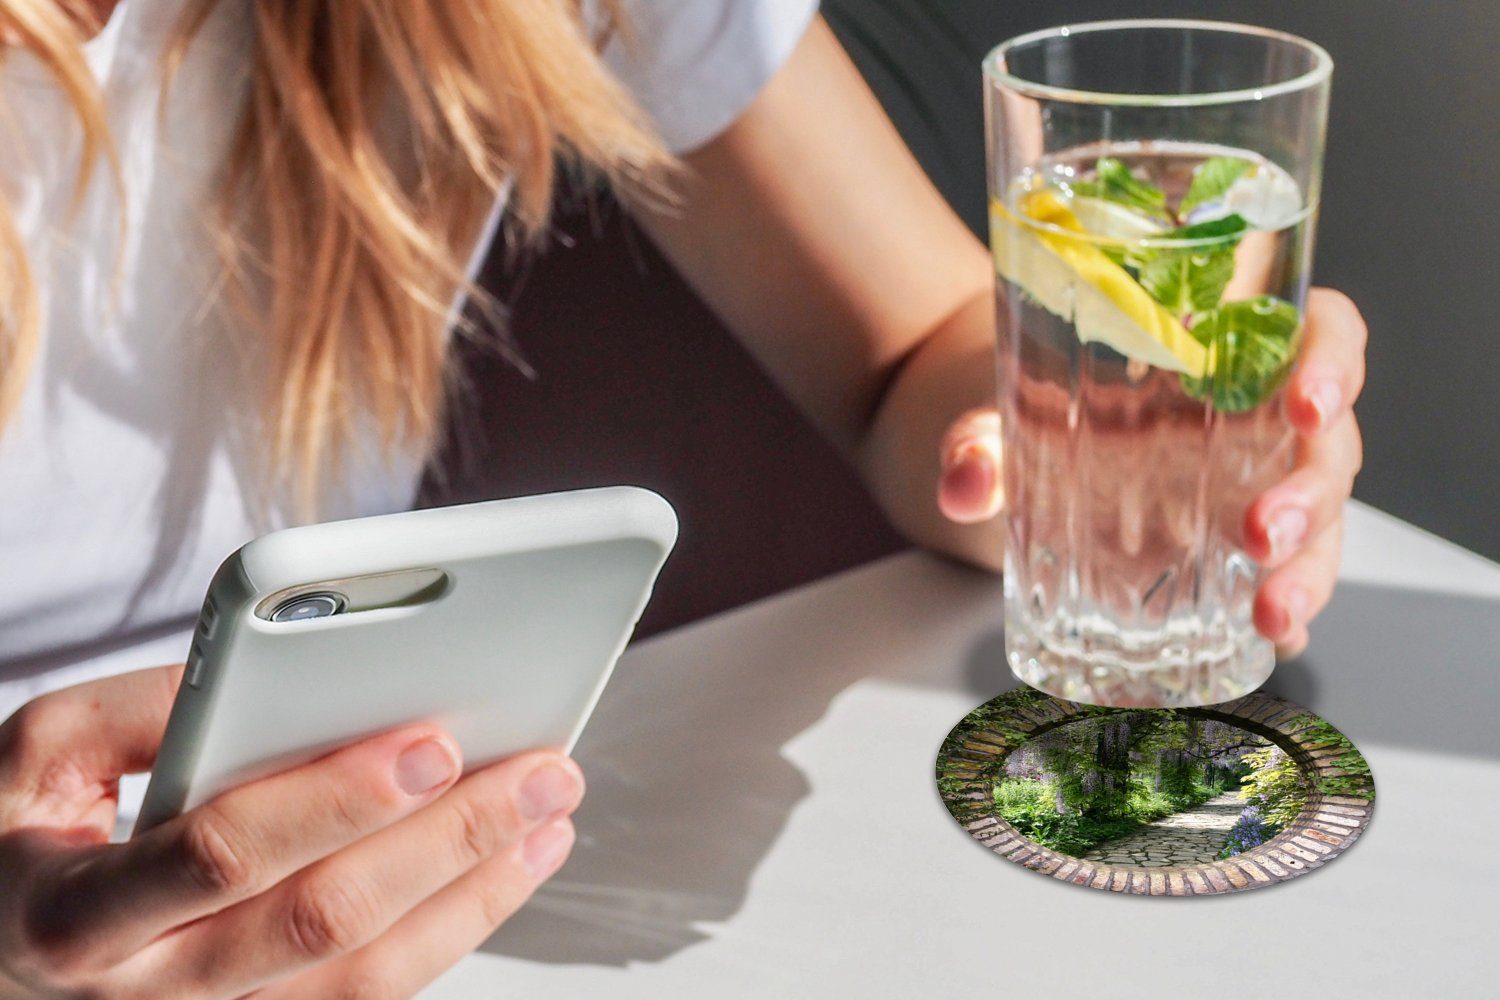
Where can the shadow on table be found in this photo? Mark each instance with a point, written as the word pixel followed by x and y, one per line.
pixel 689 788
pixel 688 784
pixel 1387 665
pixel 1403 667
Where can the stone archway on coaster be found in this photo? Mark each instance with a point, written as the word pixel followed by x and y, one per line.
pixel 1335 787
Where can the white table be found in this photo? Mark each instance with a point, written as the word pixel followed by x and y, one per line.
pixel 762 819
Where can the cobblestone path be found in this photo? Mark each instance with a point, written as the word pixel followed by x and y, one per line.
pixel 1193 836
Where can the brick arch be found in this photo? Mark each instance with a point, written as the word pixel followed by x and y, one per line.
pixel 1325 827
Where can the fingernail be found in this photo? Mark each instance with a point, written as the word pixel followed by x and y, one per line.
pixel 970 454
pixel 1286 530
pixel 424 765
pixel 972 478
pixel 973 473
pixel 544 851
pixel 1297 603
pixel 549 790
pixel 1325 396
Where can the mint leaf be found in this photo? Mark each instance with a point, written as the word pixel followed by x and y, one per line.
pixel 1114 182
pixel 1211 180
pixel 1184 286
pixel 1192 279
pixel 1215 229
pixel 1250 348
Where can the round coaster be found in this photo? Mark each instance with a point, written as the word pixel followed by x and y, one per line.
pixel 1158 802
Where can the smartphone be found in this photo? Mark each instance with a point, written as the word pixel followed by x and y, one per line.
pixel 500 621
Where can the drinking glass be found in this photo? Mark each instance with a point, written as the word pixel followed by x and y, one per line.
pixel 1153 188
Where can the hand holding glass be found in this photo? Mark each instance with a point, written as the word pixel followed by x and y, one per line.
pixel 1153 186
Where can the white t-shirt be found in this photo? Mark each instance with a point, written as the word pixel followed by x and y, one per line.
pixel 124 480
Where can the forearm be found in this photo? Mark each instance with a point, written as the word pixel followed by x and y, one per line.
pixel 811 230
pixel 949 373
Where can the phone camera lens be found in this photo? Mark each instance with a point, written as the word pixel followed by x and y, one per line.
pixel 305 606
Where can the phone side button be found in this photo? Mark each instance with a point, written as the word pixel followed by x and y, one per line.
pixel 194 673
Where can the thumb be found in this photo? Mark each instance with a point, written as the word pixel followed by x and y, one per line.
pixel 970 487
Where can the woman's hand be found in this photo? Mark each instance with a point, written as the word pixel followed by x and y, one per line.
pixel 375 866
pixel 1295 529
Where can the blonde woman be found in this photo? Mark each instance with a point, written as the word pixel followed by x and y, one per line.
pixel 231 239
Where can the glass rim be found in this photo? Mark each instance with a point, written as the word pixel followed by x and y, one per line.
pixel 1322 65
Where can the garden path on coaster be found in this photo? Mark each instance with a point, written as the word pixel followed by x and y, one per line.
pixel 1193 836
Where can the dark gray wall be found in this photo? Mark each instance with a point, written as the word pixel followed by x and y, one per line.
pixel 1411 202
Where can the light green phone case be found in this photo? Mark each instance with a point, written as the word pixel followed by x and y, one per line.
pixel 517 612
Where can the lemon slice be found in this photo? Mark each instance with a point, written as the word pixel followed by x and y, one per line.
pixel 1106 218
pixel 1075 280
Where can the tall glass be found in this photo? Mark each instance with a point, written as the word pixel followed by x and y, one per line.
pixel 1153 188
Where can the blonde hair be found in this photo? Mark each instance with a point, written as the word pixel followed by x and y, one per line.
pixel 345 256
